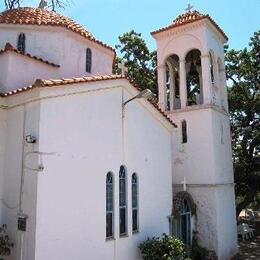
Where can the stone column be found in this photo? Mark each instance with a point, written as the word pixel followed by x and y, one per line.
pixel 161 86
pixel 206 79
pixel 183 84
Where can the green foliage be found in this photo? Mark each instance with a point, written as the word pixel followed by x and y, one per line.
pixel 5 244
pixel 163 248
pixel 243 73
pixel 140 62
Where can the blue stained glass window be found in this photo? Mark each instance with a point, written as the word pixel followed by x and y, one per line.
pixel 109 205
pixel 21 43
pixel 135 211
pixel 122 200
pixel 88 60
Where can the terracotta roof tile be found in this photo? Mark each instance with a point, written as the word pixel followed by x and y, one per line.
pixel 187 18
pixel 9 47
pixel 40 16
pixel 41 83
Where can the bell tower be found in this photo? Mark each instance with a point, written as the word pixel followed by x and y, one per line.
pixel 192 92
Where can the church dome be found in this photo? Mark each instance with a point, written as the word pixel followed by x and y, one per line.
pixel 43 17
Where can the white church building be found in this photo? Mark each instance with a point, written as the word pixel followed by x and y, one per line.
pixel 89 167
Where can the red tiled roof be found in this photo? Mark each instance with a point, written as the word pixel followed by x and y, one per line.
pixel 40 16
pixel 41 83
pixel 187 18
pixel 9 47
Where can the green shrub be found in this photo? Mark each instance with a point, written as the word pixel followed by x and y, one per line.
pixel 5 244
pixel 163 248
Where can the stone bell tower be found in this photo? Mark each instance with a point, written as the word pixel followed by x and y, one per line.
pixel 192 91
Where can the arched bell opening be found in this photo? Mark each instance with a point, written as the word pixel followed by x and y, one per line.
pixel 194 78
pixel 172 83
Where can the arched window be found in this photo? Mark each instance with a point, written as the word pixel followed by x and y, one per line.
pixel 88 60
pixel 122 200
pixel 184 131
pixel 211 68
pixel 109 205
pixel 21 43
pixel 194 78
pixel 180 226
pixel 135 215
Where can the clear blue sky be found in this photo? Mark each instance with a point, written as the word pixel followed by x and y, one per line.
pixel 107 19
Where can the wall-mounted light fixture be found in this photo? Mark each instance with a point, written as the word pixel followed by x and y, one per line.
pixel 30 139
pixel 147 93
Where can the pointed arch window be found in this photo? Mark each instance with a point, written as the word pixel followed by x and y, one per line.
pixel 109 205
pixel 88 60
pixel 135 212
pixel 21 43
pixel 184 131
pixel 122 201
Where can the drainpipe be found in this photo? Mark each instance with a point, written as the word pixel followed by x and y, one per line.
pixel 20 209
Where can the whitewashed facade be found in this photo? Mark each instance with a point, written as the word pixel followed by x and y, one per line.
pixel 83 132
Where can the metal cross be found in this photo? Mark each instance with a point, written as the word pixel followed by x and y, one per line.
pixel 184 184
pixel 123 68
pixel 189 8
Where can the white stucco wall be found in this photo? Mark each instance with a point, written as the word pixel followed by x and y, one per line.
pixel 4 65
pixel 85 134
pixel 190 157
pixel 22 71
pixel 20 121
pixel 226 225
pixel 2 154
pixel 60 46
pixel 206 162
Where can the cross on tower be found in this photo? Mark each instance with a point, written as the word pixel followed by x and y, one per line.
pixel 122 67
pixel 189 8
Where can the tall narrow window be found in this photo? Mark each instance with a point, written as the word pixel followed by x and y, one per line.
pixel 21 43
pixel 88 60
pixel 184 131
pixel 211 68
pixel 135 223
pixel 109 205
pixel 122 200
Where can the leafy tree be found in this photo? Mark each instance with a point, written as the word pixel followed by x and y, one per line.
pixel 243 73
pixel 140 62
pixel 5 243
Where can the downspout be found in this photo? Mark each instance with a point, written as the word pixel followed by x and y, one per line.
pixel 20 209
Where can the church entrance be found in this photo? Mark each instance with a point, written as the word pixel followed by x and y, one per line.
pixel 181 219
pixel 181 225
